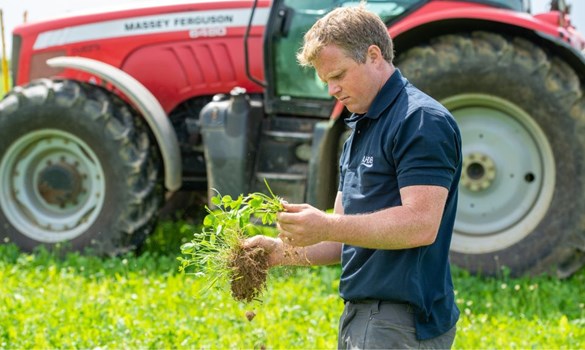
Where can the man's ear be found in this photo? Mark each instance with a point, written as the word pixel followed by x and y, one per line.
pixel 374 53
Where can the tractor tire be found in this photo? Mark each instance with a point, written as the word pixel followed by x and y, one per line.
pixel 521 112
pixel 78 170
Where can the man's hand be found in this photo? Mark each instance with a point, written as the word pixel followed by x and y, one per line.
pixel 302 225
pixel 273 246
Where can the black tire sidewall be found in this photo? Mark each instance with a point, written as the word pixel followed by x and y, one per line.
pixel 541 250
pixel 105 234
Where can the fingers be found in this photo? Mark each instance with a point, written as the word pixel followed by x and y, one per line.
pixel 260 241
pixel 289 215
pixel 252 242
pixel 294 224
pixel 273 246
pixel 293 208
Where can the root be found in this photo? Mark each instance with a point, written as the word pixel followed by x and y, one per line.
pixel 249 271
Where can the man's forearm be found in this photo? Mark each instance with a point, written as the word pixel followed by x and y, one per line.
pixel 324 253
pixel 415 223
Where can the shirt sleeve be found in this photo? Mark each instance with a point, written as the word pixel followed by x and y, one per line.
pixel 426 149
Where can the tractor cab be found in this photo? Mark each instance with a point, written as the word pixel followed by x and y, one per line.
pixel 294 89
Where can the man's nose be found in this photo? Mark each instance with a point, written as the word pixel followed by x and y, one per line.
pixel 333 89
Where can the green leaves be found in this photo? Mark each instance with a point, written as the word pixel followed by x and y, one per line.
pixel 230 221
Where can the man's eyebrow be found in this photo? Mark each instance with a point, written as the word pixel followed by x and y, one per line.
pixel 333 74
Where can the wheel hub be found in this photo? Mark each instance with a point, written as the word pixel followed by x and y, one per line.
pixel 478 173
pixel 60 184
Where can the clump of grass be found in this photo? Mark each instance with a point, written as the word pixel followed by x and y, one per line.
pixel 218 254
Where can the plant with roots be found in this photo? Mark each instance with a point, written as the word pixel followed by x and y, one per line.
pixel 217 252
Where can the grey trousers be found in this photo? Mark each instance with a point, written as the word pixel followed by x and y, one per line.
pixel 382 325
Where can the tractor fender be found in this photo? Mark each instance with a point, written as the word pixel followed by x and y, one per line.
pixel 574 57
pixel 408 34
pixel 146 104
pixel 437 12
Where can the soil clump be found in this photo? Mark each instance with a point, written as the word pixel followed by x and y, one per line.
pixel 248 272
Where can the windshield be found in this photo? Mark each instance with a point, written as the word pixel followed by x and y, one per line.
pixel 516 5
pixel 387 10
pixel 294 81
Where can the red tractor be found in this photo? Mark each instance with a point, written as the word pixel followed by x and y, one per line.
pixel 114 112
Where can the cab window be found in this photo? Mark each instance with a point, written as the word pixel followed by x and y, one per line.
pixel 294 81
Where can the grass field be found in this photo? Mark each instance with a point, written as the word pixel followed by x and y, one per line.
pixel 142 301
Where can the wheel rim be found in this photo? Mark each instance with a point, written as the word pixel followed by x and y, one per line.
pixel 508 174
pixel 52 185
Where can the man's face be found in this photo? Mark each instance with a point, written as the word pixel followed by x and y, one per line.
pixel 354 84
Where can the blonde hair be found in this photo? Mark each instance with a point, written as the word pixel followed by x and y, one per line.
pixel 352 29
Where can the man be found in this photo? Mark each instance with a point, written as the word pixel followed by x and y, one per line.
pixel 395 209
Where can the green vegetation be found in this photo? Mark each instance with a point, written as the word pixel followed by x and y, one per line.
pixel 143 301
pixel 541 312
pixel 217 252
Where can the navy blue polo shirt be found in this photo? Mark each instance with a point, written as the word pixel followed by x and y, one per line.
pixel 406 138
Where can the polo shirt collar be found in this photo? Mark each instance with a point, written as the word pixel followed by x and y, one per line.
pixel 390 90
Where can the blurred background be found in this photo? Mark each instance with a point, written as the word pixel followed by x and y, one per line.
pixel 14 11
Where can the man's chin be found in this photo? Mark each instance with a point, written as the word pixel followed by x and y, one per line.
pixel 355 110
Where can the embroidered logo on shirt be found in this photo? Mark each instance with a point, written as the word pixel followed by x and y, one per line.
pixel 368 161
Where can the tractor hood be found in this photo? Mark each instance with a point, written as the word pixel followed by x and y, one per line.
pixel 141 18
pixel 115 36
